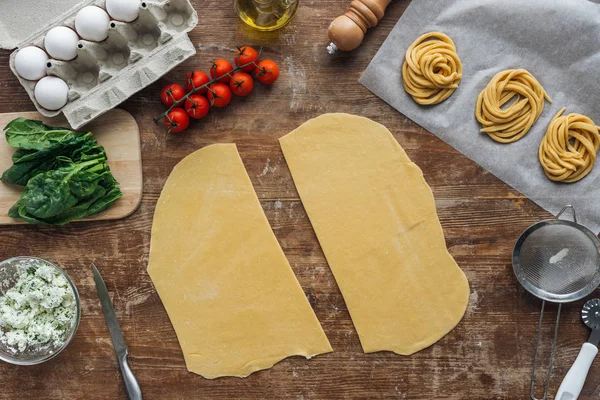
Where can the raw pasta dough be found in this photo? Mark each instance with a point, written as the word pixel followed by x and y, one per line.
pixel 375 218
pixel 230 293
pixel 568 150
pixel 432 70
pixel 507 125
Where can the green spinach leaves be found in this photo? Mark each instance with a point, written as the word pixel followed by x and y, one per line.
pixel 30 134
pixel 64 173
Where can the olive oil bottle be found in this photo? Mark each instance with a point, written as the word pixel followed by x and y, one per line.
pixel 266 15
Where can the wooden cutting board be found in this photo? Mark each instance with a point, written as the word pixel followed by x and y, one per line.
pixel 118 132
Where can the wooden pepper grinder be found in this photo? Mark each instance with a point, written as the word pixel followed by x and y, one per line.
pixel 347 31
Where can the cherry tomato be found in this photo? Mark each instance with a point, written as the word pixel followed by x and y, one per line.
pixel 219 95
pixel 172 93
pixel 267 71
pixel 177 120
pixel 241 84
pixel 195 79
pixel 221 68
pixel 246 55
pixel 197 106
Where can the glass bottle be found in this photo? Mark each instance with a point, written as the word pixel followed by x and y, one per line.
pixel 265 15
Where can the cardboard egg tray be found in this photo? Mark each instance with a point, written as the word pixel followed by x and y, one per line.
pixel 106 73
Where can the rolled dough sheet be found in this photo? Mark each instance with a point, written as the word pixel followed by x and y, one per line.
pixel 230 293
pixel 375 218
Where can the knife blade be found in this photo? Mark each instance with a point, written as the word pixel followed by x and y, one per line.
pixel 132 388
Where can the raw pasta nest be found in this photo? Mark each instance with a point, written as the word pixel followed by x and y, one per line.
pixel 509 124
pixel 568 150
pixel 432 70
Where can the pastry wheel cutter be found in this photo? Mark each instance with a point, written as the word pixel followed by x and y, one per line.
pixel 571 386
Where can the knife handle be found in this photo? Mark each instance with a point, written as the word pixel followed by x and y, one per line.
pixel 132 388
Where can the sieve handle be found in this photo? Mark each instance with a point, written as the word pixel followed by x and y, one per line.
pixel 565 208
pixel 571 386
pixel 535 354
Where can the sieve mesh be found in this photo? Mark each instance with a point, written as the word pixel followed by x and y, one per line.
pixel 558 260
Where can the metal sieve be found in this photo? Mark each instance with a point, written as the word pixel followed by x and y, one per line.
pixel 556 261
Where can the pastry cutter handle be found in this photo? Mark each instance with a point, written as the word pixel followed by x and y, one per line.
pixel 571 386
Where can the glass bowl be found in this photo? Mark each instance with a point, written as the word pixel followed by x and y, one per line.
pixel 9 273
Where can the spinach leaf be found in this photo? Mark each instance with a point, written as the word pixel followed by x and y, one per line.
pixel 20 153
pixel 19 174
pixel 105 201
pixel 28 163
pixel 73 191
pixel 64 172
pixel 30 134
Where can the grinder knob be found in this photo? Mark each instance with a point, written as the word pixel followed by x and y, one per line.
pixel 347 31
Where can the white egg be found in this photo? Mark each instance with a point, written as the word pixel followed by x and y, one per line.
pixel 52 93
pixel 61 43
pixel 91 23
pixel 123 10
pixel 30 63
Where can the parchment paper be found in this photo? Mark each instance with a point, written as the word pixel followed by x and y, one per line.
pixel 558 41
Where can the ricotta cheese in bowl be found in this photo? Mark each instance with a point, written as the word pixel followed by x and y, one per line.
pixel 39 310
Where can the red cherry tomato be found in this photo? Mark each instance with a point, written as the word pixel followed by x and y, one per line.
pixel 197 106
pixel 172 93
pixel 244 56
pixel 267 71
pixel 219 95
pixel 195 79
pixel 221 68
pixel 241 84
pixel 177 120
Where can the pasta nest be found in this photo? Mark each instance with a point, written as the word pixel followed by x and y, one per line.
pixel 511 123
pixel 568 150
pixel 432 69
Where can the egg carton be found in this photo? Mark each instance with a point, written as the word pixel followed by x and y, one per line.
pixel 104 74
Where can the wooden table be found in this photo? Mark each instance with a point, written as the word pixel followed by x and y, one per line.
pixel 488 356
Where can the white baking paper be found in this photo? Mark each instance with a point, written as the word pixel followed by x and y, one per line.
pixel 558 41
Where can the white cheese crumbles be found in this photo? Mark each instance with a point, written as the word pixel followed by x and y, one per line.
pixel 38 311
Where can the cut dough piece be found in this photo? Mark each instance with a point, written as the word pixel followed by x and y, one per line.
pixel 375 218
pixel 230 293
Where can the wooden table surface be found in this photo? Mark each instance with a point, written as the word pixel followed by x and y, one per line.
pixel 489 354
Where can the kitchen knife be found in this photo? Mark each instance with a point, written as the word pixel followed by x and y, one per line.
pixel 132 388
